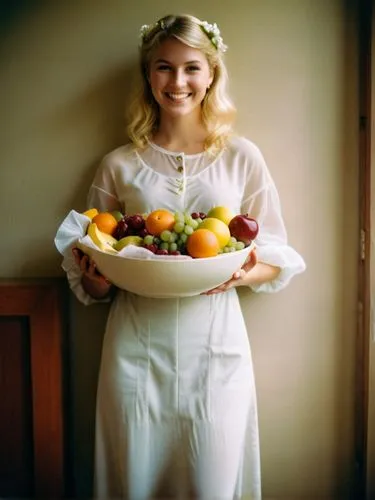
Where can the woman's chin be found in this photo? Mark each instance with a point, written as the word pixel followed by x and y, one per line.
pixel 179 110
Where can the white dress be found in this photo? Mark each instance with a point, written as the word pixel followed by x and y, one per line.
pixel 176 403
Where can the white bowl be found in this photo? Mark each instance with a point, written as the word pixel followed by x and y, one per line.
pixel 168 277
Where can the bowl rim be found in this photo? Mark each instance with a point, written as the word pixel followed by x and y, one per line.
pixel 167 258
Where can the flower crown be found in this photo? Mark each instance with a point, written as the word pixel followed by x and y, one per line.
pixel 213 33
pixel 211 30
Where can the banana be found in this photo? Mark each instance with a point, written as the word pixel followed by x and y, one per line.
pixel 102 240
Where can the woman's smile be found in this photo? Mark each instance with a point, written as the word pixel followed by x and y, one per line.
pixel 178 97
pixel 179 77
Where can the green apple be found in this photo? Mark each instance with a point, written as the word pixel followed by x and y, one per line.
pixel 117 215
pixel 128 240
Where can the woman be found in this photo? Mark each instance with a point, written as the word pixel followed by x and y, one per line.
pixel 176 403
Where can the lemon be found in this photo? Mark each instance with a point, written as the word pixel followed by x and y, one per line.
pixel 91 213
pixel 218 227
pixel 222 213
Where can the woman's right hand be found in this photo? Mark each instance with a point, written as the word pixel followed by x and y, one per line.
pixel 94 283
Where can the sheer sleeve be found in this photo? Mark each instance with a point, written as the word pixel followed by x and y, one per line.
pixel 261 201
pixel 102 195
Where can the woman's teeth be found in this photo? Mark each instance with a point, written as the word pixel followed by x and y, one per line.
pixel 177 96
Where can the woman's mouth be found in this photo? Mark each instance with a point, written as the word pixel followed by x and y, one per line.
pixel 178 97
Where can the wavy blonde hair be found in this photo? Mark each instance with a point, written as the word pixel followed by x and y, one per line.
pixel 218 111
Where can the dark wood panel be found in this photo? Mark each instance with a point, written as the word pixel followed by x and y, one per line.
pixel 16 430
pixel 46 366
pixel 40 305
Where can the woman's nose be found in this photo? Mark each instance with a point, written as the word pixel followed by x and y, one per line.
pixel 179 78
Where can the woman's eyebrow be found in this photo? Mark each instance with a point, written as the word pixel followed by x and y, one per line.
pixel 168 62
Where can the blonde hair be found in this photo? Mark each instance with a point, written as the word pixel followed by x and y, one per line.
pixel 218 112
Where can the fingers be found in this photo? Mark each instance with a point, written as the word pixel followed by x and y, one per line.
pixel 239 275
pixel 77 254
pixel 251 261
pixel 88 266
pixel 85 264
pixel 221 288
pixel 83 261
pixel 91 267
pixel 253 257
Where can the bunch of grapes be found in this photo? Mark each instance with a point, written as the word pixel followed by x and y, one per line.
pixel 130 225
pixel 233 245
pixel 173 242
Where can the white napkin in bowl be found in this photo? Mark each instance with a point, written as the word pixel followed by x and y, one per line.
pixel 73 229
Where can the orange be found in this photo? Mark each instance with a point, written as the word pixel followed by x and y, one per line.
pixel 218 227
pixel 202 243
pixel 105 222
pixel 159 221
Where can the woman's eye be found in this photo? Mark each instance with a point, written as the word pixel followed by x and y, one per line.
pixel 163 67
pixel 193 68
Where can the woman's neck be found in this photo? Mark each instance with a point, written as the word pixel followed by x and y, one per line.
pixel 181 135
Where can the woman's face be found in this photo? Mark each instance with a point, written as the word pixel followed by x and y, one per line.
pixel 179 76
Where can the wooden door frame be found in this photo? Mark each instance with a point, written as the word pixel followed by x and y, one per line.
pixel 364 269
pixel 43 301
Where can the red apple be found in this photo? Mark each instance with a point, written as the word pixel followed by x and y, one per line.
pixel 243 228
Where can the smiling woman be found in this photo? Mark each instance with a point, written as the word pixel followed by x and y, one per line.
pixel 179 77
pixel 182 57
pixel 176 404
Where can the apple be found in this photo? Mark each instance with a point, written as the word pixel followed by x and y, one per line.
pixel 117 215
pixel 244 228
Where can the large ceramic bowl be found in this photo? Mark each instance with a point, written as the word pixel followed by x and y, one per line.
pixel 167 277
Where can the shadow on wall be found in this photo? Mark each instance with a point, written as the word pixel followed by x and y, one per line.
pixel 77 133
pixel 88 325
pixel 12 11
pixel 97 115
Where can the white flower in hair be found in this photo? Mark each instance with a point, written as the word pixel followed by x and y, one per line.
pixel 213 33
pixel 143 30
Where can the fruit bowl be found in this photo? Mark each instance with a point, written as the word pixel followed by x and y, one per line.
pixel 167 277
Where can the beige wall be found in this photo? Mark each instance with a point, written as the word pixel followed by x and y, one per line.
pixel 64 72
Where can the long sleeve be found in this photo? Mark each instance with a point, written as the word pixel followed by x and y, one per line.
pixel 262 202
pixel 102 195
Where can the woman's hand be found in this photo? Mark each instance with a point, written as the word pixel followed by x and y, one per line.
pixel 94 283
pixel 240 277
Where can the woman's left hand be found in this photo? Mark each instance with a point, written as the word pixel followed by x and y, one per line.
pixel 239 277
